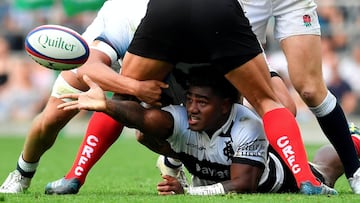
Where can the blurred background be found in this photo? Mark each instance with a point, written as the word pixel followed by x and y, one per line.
pixel 25 86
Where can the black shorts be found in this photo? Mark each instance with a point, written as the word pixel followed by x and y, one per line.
pixel 196 31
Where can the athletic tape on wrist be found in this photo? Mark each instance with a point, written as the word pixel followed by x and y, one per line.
pixel 215 189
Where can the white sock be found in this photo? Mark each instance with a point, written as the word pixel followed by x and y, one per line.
pixel 326 107
pixel 25 166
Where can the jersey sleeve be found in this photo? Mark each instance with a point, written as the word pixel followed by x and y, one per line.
pixel 249 141
pixel 96 26
pixel 177 139
pixel 121 20
pixel 115 25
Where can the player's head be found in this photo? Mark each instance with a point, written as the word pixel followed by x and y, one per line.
pixel 209 99
pixel 208 76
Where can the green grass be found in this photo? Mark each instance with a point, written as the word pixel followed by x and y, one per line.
pixel 126 173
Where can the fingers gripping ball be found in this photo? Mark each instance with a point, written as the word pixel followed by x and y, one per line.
pixel 56 47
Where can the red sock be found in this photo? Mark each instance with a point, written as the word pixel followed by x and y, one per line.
pixel 356 141
pixel 284 136
pixel 101 133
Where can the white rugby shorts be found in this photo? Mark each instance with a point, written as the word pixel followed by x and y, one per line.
pixel 291 17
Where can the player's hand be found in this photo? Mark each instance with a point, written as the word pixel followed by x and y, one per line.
pixel 93 100
pixel 149 91
pixel 169 186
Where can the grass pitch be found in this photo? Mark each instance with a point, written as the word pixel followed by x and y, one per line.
pixel 127 173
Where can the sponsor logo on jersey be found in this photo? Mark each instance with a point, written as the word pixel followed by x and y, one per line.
pixel 213 172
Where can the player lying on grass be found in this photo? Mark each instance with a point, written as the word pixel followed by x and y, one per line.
pixel 221 142
pixel 326 165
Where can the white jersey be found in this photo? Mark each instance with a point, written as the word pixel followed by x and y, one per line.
pixel 240 140
pixel 291 17
pixel 116 23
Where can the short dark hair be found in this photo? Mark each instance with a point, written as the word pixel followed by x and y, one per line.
pixel 208 76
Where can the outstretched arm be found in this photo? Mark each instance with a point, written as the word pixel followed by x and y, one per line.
pixel 153 122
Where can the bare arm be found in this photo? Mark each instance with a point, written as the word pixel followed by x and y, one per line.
pixel 98 69
pixel 244 179
pixel 153 122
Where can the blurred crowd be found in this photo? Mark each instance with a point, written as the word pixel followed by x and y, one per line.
pixel 26 86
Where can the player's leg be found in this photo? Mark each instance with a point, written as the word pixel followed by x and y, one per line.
pixel 42 135
pixel 355 135
pixel 301 43
pixel 282 92
pixel 327 161
pixel 141 68
pixel 322 103
pixel 280 126
pixel 101 133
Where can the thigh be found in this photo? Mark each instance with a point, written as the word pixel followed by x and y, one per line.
pixel 303 54
pixel 142 68
pixel 193 33
pixel 252 79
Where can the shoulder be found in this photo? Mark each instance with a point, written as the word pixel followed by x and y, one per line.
pixel 175 110
pixel 246 116
pixel 180 117
pixel 247 125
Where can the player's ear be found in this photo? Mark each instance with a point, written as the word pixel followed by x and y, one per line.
pixel 226 105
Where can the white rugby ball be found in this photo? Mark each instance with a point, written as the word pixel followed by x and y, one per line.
pixel 56 47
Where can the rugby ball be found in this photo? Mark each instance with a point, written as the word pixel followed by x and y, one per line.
pixel 56 47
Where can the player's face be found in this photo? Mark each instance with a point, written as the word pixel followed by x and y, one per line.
pixel 206 111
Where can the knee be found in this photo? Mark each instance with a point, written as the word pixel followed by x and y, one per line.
pixel 312 95
pixel 311 88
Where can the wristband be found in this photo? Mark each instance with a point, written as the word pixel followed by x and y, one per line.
pixel 215 189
